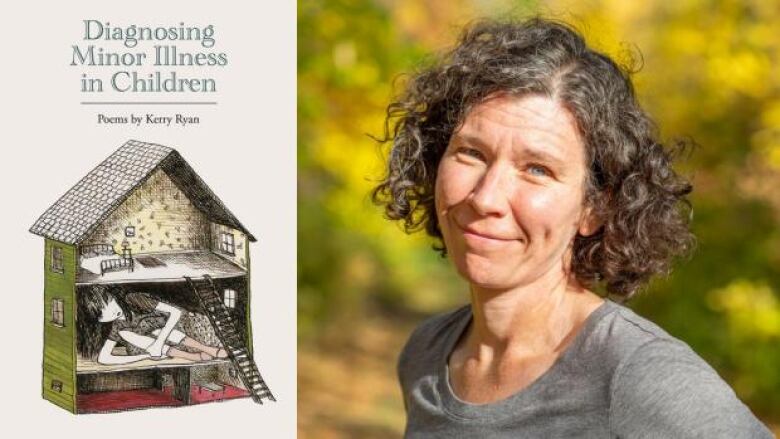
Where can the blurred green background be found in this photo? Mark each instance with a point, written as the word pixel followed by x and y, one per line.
pixel 710 72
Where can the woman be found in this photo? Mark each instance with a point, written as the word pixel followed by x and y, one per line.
pixel 146 327
pixel 528 155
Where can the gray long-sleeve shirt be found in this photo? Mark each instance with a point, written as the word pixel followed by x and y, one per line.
pixel 622 376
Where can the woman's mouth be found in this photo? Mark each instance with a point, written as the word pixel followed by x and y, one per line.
pixel 476 235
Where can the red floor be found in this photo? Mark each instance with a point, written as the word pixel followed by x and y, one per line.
pixel 134 399
pixel 198 394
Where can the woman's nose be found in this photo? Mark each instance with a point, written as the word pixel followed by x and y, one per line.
pixel 489 196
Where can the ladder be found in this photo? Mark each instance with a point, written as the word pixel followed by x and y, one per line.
pixel 232 338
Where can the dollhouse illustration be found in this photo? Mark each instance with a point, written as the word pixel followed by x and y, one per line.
pixel 146 289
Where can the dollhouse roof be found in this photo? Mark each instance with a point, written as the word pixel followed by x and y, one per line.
pixel 77 213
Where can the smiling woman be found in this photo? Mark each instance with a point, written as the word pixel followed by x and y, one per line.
pixel 527 155
pixel 509 191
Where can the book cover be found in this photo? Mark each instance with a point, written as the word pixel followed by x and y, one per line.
pixel 149 187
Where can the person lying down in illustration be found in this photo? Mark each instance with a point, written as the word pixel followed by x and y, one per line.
pixel 152 332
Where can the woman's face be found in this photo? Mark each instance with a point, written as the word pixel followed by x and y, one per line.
pixel 111 311
pixel 510 190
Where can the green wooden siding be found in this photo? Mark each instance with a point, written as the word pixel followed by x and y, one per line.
pixel 59 342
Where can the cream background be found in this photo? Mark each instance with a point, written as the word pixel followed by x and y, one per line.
pixel 49 142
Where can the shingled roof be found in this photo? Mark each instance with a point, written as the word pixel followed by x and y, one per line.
pixel 77 213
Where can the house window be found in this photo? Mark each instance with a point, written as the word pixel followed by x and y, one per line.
pixel 56 385
pixel 230 298
pixel 129 231
pixel 58 312
pixel 226 243
pixel 56 259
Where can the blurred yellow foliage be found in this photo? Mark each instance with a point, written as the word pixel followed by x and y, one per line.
pixel 709 71
pixel 752 308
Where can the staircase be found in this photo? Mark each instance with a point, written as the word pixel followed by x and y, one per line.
pixel 231 336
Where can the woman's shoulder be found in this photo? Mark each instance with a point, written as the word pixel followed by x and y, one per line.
pixel 614 333
pixel 428 340
pixel 661 384
pixel 435 330
pixel 634 342
pixel 634 345
pixel 630 330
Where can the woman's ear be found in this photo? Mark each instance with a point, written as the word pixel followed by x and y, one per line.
pixel 590 222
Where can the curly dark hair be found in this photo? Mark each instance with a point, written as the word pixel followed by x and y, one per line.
pixel 641 201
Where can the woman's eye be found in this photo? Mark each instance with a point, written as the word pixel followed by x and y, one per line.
pixel 471 152
pixel 538 170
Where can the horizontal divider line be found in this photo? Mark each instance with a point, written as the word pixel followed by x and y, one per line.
pixel 147 103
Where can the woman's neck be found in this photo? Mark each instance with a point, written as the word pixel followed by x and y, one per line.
pixel 527 320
